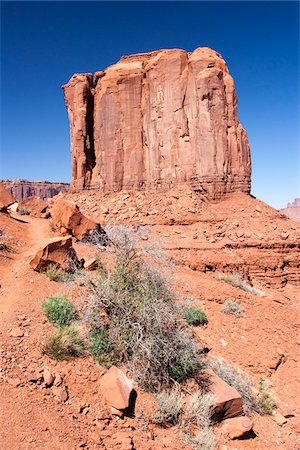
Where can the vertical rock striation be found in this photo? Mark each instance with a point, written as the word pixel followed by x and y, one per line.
pixel 155 120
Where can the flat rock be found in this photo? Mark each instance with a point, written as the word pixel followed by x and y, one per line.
pixel 16 332
pixel 237 427
pixel 116 388
pixel 57 251
pixel 61 393
pixel 279 418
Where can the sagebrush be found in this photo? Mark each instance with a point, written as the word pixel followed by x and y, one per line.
pixel 194 315
pixel 169 406
pixel 65 342
pixel 232 307
pixel 59 310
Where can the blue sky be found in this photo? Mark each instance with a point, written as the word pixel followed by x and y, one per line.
pixel 44 43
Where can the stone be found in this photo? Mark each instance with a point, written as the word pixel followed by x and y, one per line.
pixel 48 377
pixel 66 215
pixel 13 208
pixel 22 189
pixel 60 393
pixel 158 119
pixel 16 332
pixel 227 401
pixel 6 198
pixel 15 382
pixel 116 388
pixel 35 205
pixel 237 427
pixel 56 251
pixel 296 426
pixel 91 264
pixel 279 418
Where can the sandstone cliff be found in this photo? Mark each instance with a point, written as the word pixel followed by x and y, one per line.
pixel 22 189
pixel 156 120
pixel 292 210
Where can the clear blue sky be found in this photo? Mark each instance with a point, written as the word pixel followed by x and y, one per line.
pixel 44 43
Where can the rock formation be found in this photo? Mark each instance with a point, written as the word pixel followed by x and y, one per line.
pixel 6 198
pixel 156 120
pixel 292 210
pixel 22 189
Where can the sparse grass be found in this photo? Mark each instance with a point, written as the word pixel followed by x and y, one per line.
pixel 57 274
pixel 3 246
pixel 194 315
pixel 238 379
pixel 100 346
pixel 142 323
pixel 59 310
pixel 169 406
pixel 237 280
pixel 267 401
pixel 232 307
pixel 23 211
pixel 65 342
pixel 199 410
pixel 204 440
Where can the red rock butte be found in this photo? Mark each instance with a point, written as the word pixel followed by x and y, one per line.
pixel 156 120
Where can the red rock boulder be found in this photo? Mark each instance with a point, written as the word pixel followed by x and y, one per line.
pixel 67 218
pixel 58 252
pixel 237 427
pixel 6 198
pixel 116 388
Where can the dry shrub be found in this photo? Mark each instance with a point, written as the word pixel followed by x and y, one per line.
pixel 199 410
pixel 267 400
pixel 169 406
pixel 204 440
pixel 237 280
pixel 66 342
pixel 232 307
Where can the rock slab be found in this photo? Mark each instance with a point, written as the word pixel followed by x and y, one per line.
pixel 116 388
pixel 155 120
pixel 56 251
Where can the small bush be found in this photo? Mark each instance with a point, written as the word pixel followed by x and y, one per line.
pixel 237 280
pixel 267 401
pixel 100 346
pixel 65 342
pixel 232 307
pixel 204 440
pixel 59 310
pixel 238 379
pixel 199 410
pixel 24 211
pixel 169 404
pixel 55 273
pixel 194 315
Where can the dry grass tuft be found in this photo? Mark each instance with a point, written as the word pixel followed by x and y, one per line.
pixel 237 280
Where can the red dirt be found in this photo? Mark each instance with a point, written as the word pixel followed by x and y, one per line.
pixel 31 417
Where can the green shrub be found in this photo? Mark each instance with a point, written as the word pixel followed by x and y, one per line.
pixel 237 280
pixel 59 310
pixel 169 406
pixel 65 342
pixel 100 346
pixel 267 401
pixel 23 211
pixel 232 307
pixel 57 274
pixel 194 315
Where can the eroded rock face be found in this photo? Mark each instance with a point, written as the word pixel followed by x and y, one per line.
pixel 155 120
pixel 292 210
pixel 6 198
pixel 22 189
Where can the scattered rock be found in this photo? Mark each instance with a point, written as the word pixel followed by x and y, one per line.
pixel 48 377
pixel 91 264
pixel 279 418
pixel 116 388
pixel 15 382
pixel 61 393
pixel 58 379
pixel 35 205
pixel 57 251
pixel 237 427
pixel 16 332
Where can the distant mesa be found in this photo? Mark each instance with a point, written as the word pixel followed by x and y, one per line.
pixel 292 210
pixel 156 120
pixel 21 189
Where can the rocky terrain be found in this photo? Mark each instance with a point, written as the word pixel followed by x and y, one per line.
pixel 160 159
pixel 22 189
pixel 292 210
pixel 157 120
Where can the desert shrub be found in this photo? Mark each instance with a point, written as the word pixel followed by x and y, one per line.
pixel 100 346
pixel 57 274
pixel 194 315
pixel 59 310
pixel 238 379
pixel 204 440
pixel 65 342
pixel 267 401
pixel 199 410
pixel 3 246
pixel 237 280
pixel 141 320
pixel 232 307
pixel 23 211
pixel 169 406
